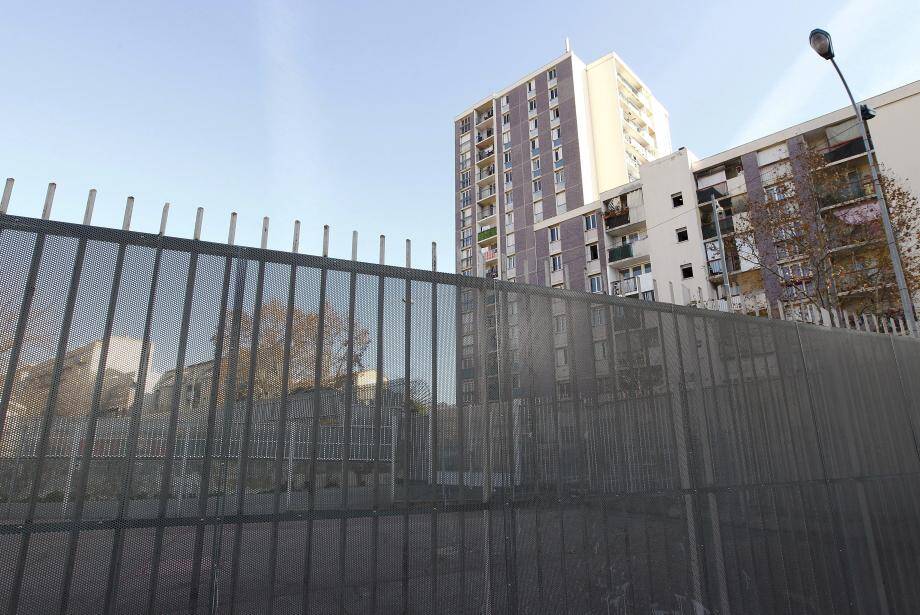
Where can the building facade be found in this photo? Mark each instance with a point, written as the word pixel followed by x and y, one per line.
pixel 532 161
pixel 665 222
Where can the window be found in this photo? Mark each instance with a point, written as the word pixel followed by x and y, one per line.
pixel 465 159
pixel 553 94
pixel 551 74
pixel 466 198
pixel 465 124
pixel 532 122
pixel 562 358
pixel 466 218
pixel 557 155
pixel 554 233
pixel 592 252
pixel 508 176
pixel 466 237
pixel 559 177
pixel 509 242
pixel 677 199
pixel 554 114
pixel 537 186
pixel 509 261
pixel 559 323
pixel 534 164
pixel 538 211
pixel 647 268
pixel 506 119
pixel 560 203
pixel 507 158
pixel 506 138
pixel 534 145
pixel 591 222
pixel 464 179
pixel 600 350
pixel 555 262
pixel 509 200
pixel 597 317
pixel 509 219
pixel 506 100
pixel 686 270
pixel 556 135
pixel 682 234
pixel 531 85
pixel 532 104
pixel 595 284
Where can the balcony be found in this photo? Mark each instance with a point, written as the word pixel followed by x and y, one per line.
pixel 484 117
pixel 841 151
pixel 486 212
pixel 632 285
pixel 486 194
pixel 492 272
pixel 612 221
pixel 489 254
pixel 485 173
pixel 487 234
pixel 484 137
pixel 485 154
pixel 635 249
pixel 727 225
pixel 858 189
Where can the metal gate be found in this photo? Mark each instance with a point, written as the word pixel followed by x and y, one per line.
pixel 196 427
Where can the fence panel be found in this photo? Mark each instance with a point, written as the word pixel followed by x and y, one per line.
pixel 193 427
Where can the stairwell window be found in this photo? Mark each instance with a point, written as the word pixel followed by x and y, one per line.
pixel 677 199
pixel 682 234
pixel 686 270
pixel 555 262
pixel 592 252
pixel 591 222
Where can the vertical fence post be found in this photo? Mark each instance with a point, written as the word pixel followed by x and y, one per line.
pixel 314 427
pixel 246 436
pixel 7 192
pixel 129 212
pixel 283 412
pixel 349 393
pixel 88 212
pixel 49 199
pixel 407 427
pixel 433 431
pixel 204 488
pixel 47 418
pixel 377 438
pixel 174 407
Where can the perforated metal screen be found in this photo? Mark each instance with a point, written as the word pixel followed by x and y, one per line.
pixel 193 427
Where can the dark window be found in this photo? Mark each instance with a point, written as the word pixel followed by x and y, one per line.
pixel 682 234
pixel 677 199
pixel 686 270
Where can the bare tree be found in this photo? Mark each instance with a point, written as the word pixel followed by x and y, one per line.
pixel 817 230
pixel 304 332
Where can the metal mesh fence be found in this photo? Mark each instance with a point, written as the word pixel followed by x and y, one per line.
pixel 194 427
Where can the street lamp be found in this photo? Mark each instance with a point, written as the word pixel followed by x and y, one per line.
pixel 820 41
pixel 717 214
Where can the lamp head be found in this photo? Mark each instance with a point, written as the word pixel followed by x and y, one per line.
pixel 820 41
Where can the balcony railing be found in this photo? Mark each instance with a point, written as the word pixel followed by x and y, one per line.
pixel 485 154
pixel 489 255
pixel 485 173
pixel 482 136
pixel 847 149
pixel 488 115
pixel 613 221
pixel 492 272
pixel 727 224
pixel 487 192
pixel 626 286
pixel 486 234
pixel 620 252
pixel 858 189
pixel 486 212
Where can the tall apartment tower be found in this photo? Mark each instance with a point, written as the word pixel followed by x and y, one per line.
pixel 531 161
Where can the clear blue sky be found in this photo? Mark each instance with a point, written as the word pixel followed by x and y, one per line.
pixel 341 112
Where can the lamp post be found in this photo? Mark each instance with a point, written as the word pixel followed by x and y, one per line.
pixel 820 41
pixel 717 214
